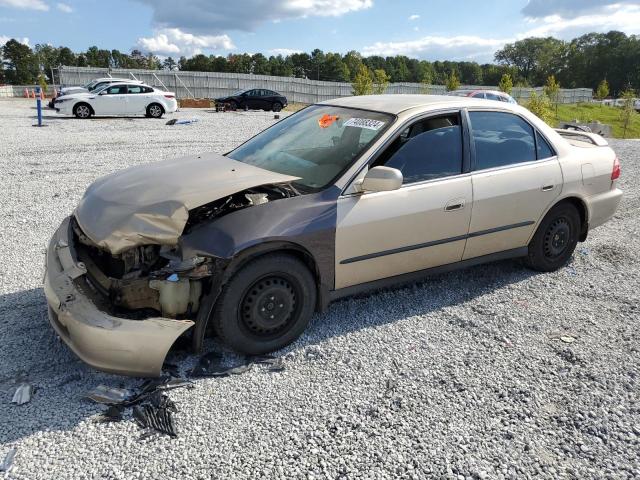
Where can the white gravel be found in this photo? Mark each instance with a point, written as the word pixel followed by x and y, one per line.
pixel 464 376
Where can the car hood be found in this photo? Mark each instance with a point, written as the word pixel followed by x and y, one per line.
pixel 149 204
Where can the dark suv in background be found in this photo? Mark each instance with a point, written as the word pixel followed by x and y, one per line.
pixel 254 99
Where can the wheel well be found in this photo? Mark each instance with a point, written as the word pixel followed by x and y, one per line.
pixel 582 210
pixel 240 261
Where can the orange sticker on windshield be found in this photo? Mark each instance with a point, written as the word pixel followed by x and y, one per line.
pixel 327 120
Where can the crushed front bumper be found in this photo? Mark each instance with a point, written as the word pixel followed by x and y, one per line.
pixel 106 342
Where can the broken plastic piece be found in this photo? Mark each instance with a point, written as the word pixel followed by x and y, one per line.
pixel 160 419
pixel 109 396
pixel 7 463
pixel 212 365
pixel 22 394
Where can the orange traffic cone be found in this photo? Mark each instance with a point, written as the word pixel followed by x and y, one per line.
pixel 26 93
pixel 33 93
pixel 41 94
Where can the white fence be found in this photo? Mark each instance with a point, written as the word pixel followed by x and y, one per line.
pixel 297 90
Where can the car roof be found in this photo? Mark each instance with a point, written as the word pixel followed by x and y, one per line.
pixel 396 104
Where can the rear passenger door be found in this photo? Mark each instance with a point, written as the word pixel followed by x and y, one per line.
pixel 112 101
pixel 136 99
pixel 516 177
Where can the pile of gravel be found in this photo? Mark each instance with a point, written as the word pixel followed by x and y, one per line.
pixel 491 372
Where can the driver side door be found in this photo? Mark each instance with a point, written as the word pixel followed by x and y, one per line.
pixel 423 224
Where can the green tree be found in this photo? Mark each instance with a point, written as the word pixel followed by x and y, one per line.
pixel 21 65
pixel 541 106
pixel 352 60
pixel 602 91
pixel 380 81
pixel 506 84
pixel 363 82
pixel 628 112
pixel 426 82
pixel 535 58
pixel 260 65
pixel 169 64
pixel 452 82
pixel 552 91
pixel 42 81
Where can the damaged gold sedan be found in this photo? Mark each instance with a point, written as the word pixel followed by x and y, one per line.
pixel 348 195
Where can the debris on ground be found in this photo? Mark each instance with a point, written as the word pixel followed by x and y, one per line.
pixel 152 409
pixel 108 395
pixel 22 394
pixel 567 339
pixel 213 364
pixel 157 415
pixel 7 463
pixel 176 121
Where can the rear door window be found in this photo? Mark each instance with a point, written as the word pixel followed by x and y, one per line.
pixel 501 139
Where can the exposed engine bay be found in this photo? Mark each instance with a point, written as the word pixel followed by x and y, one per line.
pixel 153 279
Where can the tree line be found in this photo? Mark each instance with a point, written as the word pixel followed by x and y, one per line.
pixel 582 62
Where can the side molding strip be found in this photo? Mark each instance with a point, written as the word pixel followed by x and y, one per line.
pixel 433 243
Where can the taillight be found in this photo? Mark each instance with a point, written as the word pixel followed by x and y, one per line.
pixel 169 96
pixel 615 173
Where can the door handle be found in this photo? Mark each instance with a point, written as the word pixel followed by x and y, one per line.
pixel 454 205
pixel 548 188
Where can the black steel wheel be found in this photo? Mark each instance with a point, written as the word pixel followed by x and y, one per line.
pixel 555 239
pixel 266 305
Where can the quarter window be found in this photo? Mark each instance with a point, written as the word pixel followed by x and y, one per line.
pixel 428 149
pixel 544 150
pixel 501 139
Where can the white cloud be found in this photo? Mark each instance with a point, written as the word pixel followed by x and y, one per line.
pixel 283 51
pixel 175 42
pixel 414 17
pixel 63 7
pixel 439 47
pixel 25 4
pixel 207 17
pixel 625 18
pixel 4 39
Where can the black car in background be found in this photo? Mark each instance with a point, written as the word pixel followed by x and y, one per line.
pixel 254 99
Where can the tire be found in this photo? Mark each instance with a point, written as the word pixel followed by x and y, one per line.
pixel 555 239
pixel 277 106
pixel 155 110
pixel 266 305
pixel 82 111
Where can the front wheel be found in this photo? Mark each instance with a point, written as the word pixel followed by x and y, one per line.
pixel 555 239
pixel 155 110
pixel 266 305
pixel 277 106
pixel 82 110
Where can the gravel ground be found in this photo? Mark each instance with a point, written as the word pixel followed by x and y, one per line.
pixel 462 376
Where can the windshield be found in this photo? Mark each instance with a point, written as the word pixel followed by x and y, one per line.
pixel 316 144
pixel 89 85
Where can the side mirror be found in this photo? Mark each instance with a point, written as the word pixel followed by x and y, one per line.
pixel 381 179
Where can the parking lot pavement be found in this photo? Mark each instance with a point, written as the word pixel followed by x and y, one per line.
pixel 490 372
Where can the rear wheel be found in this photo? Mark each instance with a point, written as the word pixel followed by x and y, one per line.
pixel 555 239
pixel 82 110
pixel 266 305
pixel 155 110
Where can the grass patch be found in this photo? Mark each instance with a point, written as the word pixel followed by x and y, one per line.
pixel 294 107
pixel 587 112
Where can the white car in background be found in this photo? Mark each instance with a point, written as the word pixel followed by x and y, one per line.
pixel 120 99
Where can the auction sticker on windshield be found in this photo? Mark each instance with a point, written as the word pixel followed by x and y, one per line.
pixel 367 123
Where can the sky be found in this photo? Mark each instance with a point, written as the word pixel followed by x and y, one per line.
pixel 424 29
